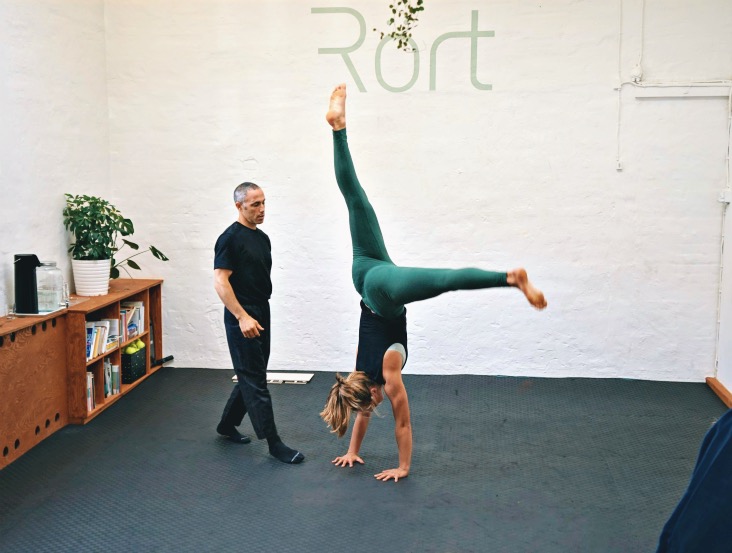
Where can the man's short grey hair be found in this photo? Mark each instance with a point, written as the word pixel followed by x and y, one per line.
pixel 240 192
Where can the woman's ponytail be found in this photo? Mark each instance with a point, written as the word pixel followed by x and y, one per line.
pixel 346 395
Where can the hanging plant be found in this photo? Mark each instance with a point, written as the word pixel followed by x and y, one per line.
pixel 404 17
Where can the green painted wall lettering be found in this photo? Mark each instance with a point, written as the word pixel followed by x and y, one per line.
pixel 473 34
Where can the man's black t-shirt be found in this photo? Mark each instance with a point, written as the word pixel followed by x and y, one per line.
pixel 248 253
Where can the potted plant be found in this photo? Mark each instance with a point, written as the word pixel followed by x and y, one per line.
pixel 98 227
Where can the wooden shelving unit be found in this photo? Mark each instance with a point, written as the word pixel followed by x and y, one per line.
pixel 83 309
pixel 33 399
pixel 43 364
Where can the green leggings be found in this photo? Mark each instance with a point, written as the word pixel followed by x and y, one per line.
pixel 385 287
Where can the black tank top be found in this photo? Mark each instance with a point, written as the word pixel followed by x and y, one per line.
pixel 375 335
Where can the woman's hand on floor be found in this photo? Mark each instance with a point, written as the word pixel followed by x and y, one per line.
pixel 347 459
pixel 396 474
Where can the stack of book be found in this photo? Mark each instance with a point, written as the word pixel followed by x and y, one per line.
pixel 132 315
pixel 111 379
pixel 91 400
pixel 101 337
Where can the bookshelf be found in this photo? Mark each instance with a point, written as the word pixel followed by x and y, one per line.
pixel 146 292
pixel 43 364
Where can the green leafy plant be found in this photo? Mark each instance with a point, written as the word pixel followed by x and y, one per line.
pixel 404 18
pixel 98 228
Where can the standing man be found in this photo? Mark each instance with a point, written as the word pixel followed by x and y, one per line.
pixel 242 266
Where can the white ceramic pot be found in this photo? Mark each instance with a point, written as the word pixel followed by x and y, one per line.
pixel 91 278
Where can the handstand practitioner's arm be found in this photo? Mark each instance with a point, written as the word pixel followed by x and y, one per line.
pixel 249 326
pixel 360 425
pixel 397 394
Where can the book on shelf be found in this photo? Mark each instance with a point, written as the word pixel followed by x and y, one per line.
pixel 115 379
pixel 113 338
pixel 129 310
pixel 101 336
pixel 102 328
pixel 127 317
pixel 94 341
pixel 107 378
pixel 89 339
pixel 123 325
pixel 91 401
pixel 94 332
pixel 152 344
pixel 135 311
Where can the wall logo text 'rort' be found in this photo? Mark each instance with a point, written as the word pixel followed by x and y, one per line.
pixel 473 34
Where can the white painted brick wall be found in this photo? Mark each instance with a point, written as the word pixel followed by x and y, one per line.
pixel 53 124
pixel 203 95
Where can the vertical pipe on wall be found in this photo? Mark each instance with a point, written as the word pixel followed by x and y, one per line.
pixel 636 74
pixel 618 165
pixel 724 313
pixel 723 351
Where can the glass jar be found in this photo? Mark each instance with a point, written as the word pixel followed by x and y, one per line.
pixel 50 285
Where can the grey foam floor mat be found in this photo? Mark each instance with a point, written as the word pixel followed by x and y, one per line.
pixel 500 464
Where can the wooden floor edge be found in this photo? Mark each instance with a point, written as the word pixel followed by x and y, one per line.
pixel 719 389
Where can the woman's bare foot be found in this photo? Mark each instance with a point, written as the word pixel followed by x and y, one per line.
pixel 520 280
pixel 336 115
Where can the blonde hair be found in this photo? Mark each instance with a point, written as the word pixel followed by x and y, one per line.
pixel 349 394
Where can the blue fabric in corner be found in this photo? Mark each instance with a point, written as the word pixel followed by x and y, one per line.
pixel 701 520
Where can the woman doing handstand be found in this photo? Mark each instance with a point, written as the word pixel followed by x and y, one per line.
pixel 385 288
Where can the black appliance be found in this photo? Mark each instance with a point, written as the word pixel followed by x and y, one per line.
pixel 26 286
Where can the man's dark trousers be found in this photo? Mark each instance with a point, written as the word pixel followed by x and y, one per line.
pixel 250 357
